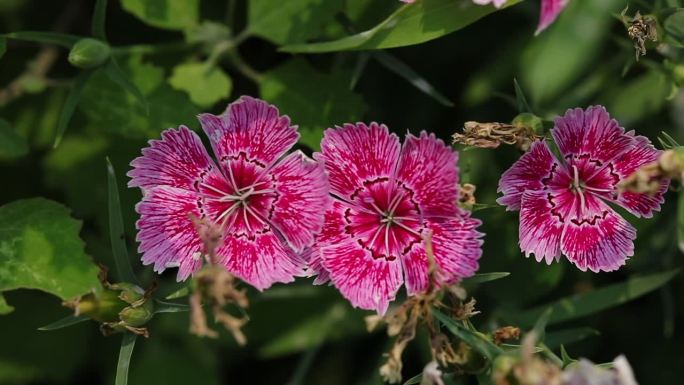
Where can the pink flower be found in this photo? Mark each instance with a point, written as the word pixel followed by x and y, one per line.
pixel 550 9
pixel 563 203
pixel 268 208
pixel 386 199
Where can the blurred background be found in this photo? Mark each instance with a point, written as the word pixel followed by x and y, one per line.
pixel 300 334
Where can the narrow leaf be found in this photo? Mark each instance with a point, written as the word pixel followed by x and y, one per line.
pixel 414 380
pixel 70 104
pixel 61 39
pixel 540 326
pixel 520 98
pixel 475 341
pixel 304 365
pixel 402 69
pixel 125 353
pixel 116 74
pixel 3 46
pixel 64 322
pixel 359 67
pixel 485 277
pixel 566 337
pixel 98 22
pixel 169 307
pixel 179 293
pixel 116 230
pixel 567 360
pixel 680 219
pixel 580 305
pixel 410 24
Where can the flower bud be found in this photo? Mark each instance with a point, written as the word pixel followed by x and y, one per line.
pixel 89 53
pixel 137 316
pixel 102 307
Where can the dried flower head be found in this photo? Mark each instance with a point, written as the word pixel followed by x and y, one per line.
pixel 649 178
pixel 492 135
pixel 640 29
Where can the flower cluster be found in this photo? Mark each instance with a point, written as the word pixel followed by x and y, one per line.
pixel 362 212
pixel 357 215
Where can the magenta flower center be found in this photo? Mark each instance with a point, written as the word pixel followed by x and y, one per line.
pixel 384 218
pixel 242 202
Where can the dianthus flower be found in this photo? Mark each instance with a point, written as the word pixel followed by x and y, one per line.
pixel 563 204
pixel 386 200
pixel 267 208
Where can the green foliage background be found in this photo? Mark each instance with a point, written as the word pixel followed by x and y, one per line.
pixel 181 57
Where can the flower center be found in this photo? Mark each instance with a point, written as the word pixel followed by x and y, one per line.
pixel 384 219
pixel 242 202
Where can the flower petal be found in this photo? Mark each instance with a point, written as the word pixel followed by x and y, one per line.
pixel 456 246
pixel 428 167
pixel 540 226
pixel 599 239
pixel 535 170
pixel 366 282
pixel 302 188
pixel 333 232
pixel 179 159
pixel 353 154
pixel 166 234
pixel 261 261
pixel 250 126
pixel 591 133
pixel 550 9
pixel 641 152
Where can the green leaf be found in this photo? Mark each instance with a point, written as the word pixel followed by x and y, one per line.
pixel 40 249
pixel 170 307
pixel 125 353
pixel 402 69
pixel 484 277
pixel 557 58
pixel 110 108
pixel 580 305
pixel 568 336
pixel 309 333
pixel 12 145
pixel 476 341
pixel 64 322
pixel 640 97
pixel 523 106
pixel 540 326
pixel 410 24
pixel 168 14
pixel 680 219
pixel 291 21
pixel 674 26
pixel 567 360
pixel 180 293
pixel 205 84
pixel 3 46
pixel 61 39
pixel 70 104
pixel 4 307
pixel 98 22
pixel 294 85
pixel 115 73
pixel 116 230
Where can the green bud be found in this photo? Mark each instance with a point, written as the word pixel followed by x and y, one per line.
pixel 532 121
pixel 102 307
pixel 89 53
pixel 678 74
pixel 137 316
pixel 129 292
